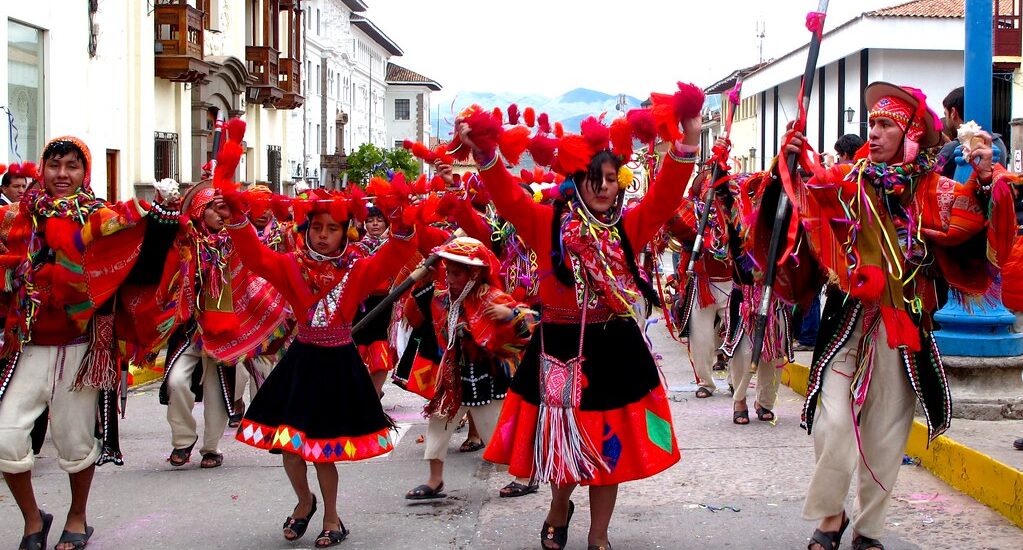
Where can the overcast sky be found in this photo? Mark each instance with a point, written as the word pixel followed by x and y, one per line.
pixel 626 46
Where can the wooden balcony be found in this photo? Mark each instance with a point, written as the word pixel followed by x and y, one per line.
pixel 179 42
pixel 262 63
pixel 290 80
pixel 1008 34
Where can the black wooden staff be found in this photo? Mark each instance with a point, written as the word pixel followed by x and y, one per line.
pixel 784 211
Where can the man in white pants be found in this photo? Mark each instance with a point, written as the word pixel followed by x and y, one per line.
pixel 43 359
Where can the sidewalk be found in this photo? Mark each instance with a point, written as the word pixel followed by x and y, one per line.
pixel 974 456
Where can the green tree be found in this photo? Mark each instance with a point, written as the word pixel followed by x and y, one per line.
pixel 369 160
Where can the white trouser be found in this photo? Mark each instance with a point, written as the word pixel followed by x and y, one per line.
pixel 43 377
pixel 440 429
pixel 768 375
pixel 884 423
pixel 704 336
pixel 182 401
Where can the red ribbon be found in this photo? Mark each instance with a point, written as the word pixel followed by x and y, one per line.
pixel 815 22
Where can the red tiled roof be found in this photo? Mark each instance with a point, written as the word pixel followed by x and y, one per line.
pixel 396 74
pixel 934 8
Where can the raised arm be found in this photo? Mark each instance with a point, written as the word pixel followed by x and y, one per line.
pixel 661 200
pixel 532 221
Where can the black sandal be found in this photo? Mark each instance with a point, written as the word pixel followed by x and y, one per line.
pixel 762 413
pixel 78 541
pixel 37 540
pixel 211 460
pixel 180 457
pixel 299 525
pixel 737 416
pixel 863 543
pixel 470 446
pixel 516 489
pixel 331 537
pixel 703 393
pixel 829 540
pixel 557 535
pixel 425 492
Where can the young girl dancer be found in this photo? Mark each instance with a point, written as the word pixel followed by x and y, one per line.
pixel 319 404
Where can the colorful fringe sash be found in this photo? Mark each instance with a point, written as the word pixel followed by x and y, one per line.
pixel 562 452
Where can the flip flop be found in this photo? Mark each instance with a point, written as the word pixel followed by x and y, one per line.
pixel 299 525
pixel 78 541
pixel 425 492
pixel 330 537
pixel 516 489
pixel 703 393
pixel 37 540
pixel 470 446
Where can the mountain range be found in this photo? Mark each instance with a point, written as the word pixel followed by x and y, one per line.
pixel 570 108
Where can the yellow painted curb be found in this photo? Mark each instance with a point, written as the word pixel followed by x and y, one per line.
pixel 990 482
pixel 145 375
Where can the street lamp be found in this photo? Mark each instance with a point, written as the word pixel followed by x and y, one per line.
pixel 849 114
pixel 752 152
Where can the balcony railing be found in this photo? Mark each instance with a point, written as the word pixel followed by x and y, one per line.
pixel 179 42
pixel 262 63
pixel 1008 29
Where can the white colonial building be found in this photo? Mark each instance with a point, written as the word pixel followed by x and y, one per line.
pixel 143 82
pixel 346 91
pixel 408 105
pixel 918 43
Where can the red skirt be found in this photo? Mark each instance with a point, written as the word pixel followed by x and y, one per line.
pixel 624 410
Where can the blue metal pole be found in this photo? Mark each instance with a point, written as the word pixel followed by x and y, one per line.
pixel 983 331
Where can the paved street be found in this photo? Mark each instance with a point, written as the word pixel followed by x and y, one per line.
pixel 760 470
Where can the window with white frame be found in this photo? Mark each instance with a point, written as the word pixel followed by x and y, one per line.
pixel 25 89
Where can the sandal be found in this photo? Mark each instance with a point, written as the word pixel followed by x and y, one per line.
pixel 829 540
pixel 703 393
pixel 764 414
pixel 516 489
pixel 557 535
pixel 740 417
pixel 180 457
pixel 469 446
pixel 596 547
pixel 425 492
pixel 211 460
pixel 863 543
pixel 298 526
pixel 37 540
pixel 330 537
pixel 78 541
pixel 234 420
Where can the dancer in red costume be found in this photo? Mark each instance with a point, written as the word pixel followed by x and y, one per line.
pixel 65 253
pixel 617 426
pixel 373 340
pixel 318 404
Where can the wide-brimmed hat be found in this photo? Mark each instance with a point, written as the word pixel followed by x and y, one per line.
pixel 921 124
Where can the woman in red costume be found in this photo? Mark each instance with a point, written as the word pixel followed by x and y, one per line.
pixel 373 340
pixel 586 405
pixel 319 404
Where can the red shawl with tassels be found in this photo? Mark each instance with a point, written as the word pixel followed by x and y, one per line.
pixel 93 253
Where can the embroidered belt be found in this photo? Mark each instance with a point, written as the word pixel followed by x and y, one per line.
pixel 325 336
pixel 574 316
